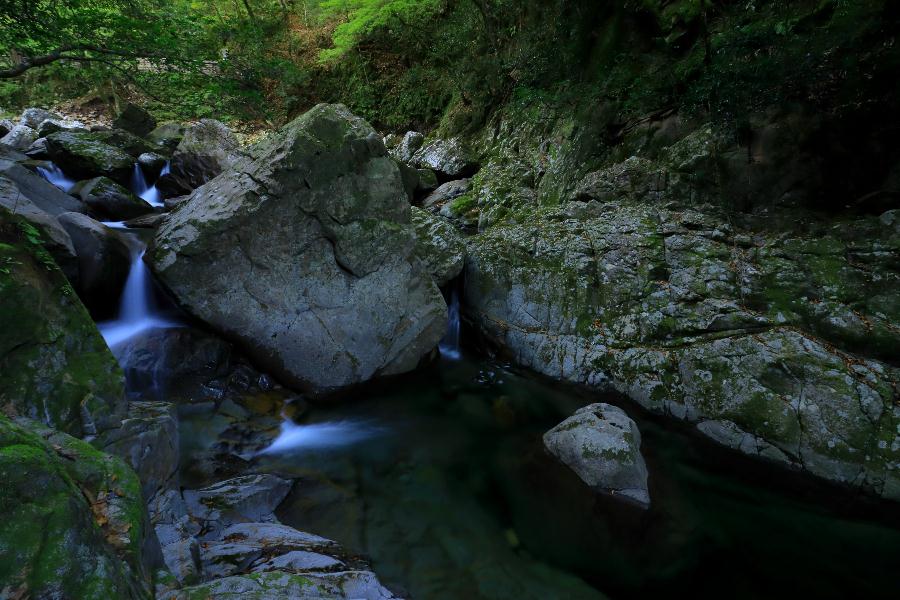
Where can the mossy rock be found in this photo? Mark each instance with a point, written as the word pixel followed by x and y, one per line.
pixel 54 366
pixel 74 523
pixel 85 155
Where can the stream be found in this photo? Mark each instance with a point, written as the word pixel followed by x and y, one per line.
pixel 439 477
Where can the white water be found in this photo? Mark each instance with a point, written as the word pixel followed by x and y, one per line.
pixel 321 436
pixel 147 192
pixel 449 346
pixel 54 175
pixel 137 311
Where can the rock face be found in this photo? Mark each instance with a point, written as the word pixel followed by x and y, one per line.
pixel 54 366
pixel 83 155
pixel 778 343
pixel 74 524
pixel 305 253
pixel 603 446
pixel 205 150
pixel 439 246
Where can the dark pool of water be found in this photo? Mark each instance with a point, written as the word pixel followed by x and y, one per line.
pixel 444 484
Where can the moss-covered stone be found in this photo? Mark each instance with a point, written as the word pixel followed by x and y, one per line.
pixel 85 155
pixel 74 521
pixel 54 366
pixel 780 343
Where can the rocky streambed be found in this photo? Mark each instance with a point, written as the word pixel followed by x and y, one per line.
pixel 279 407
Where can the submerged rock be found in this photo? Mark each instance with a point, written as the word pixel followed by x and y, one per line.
pixel 74 523
pixel 54 366
pixel 304 252
pixel 603 446
pixel 162 359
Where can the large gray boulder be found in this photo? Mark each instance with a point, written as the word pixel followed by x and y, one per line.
pixel 30 196
pixel 134 119
pixel 449 158
pixel 305 253
pixel 603 446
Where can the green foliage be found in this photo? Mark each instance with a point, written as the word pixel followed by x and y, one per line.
pixel 363 17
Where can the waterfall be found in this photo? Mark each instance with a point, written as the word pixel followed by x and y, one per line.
pixel 54 175
pixel 449 346
pixel 144 190
pixel 137 310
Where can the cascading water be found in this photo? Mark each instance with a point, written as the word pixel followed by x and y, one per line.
pixel 137 310
pixel 449 346
pixel 54 175
pixel 321 436
pixel 147 192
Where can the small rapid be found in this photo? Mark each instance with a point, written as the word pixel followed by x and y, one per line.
pixel 321 436
pixel 449 346
pixel 138 311
pixel 143 189
pixel 55 175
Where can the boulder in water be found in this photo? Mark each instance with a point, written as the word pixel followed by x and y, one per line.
pixel 83 155
pixel 20 137
pixel 54 366
pixel 148 442
pixel 152 164
pixel 305 253
pixel 603 446
pixel 109 200
pixel 104 261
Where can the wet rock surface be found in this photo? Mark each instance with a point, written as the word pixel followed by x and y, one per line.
pixel 785 339
pixel 603 446
pixel 318 215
